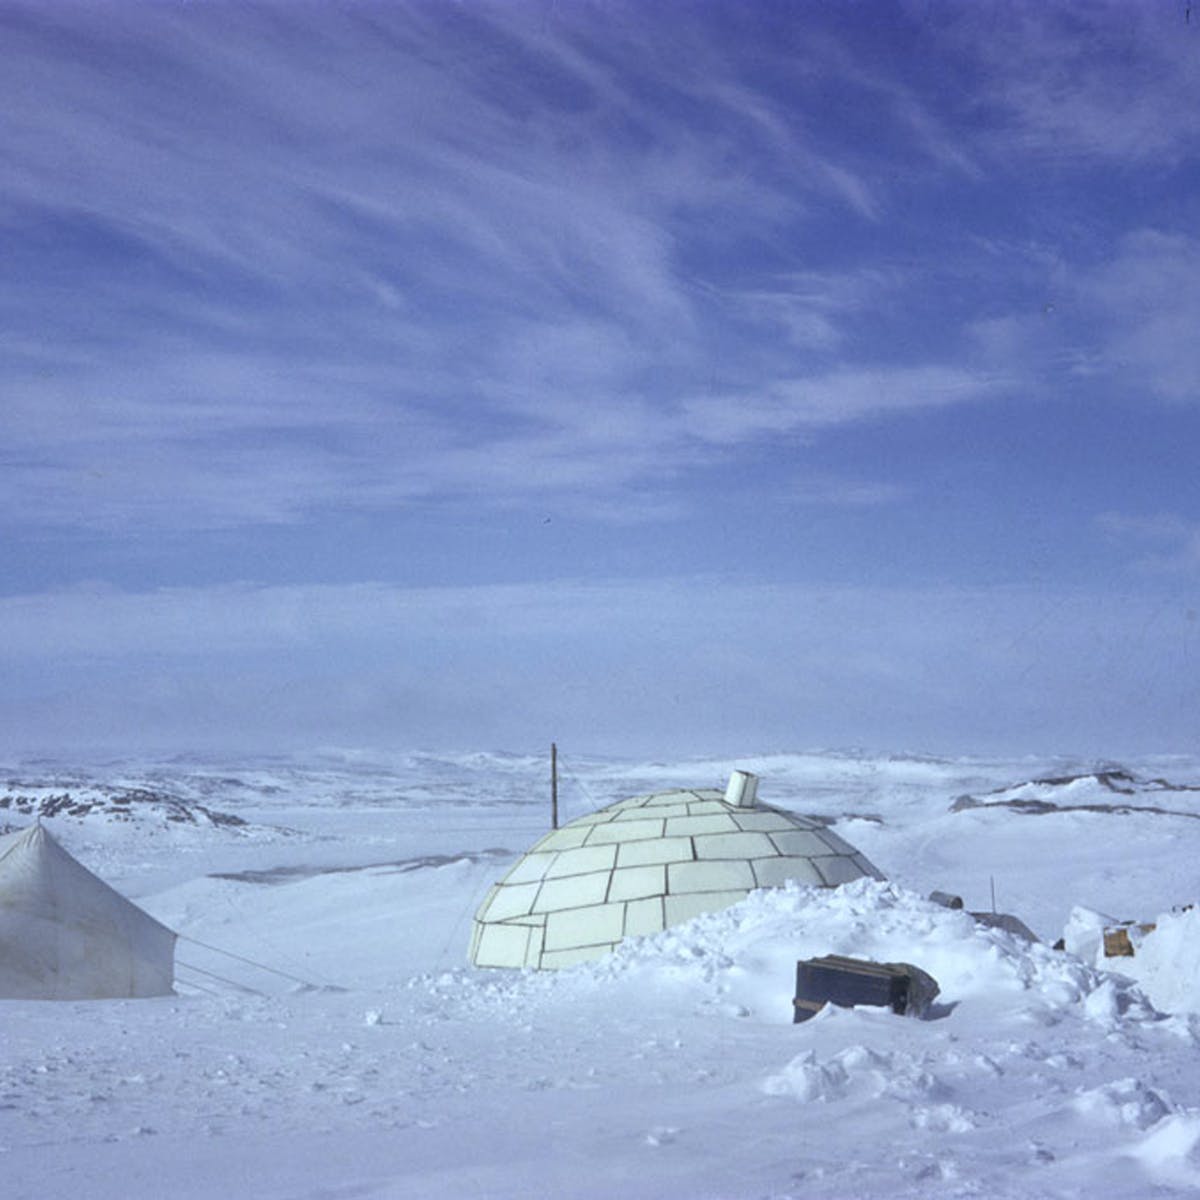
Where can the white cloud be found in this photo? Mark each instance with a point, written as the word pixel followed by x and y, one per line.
pixel 689 664
pixel 1119 325
pixel 1069 84
pixel 1167 542
pixel 844 493
pixel 346 261
pixel 813 308
pixel 559 414
pixel 838 397
pixel 1148 296
pixel 369 254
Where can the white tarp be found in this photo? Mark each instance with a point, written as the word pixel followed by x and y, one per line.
pixel 66 935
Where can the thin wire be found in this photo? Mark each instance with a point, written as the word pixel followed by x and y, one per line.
pixel 189 987
pixel 241 958
pixel 471 905
pixel 583 787
pixel 198 987
pixel 241 987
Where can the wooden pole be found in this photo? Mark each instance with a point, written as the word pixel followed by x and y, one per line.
pixel 553 785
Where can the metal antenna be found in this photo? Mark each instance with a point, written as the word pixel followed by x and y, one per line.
pixel 553 785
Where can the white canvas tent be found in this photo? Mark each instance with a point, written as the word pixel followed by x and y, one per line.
pixel 641 865
pixel 67 935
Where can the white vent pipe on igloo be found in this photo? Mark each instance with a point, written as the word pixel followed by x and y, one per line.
pixel 742 791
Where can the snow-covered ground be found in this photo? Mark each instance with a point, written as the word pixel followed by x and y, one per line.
pixel 372 1061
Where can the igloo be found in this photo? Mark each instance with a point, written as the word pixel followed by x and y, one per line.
pixel 644 864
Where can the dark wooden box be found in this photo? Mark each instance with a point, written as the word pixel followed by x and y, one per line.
pixel 849 981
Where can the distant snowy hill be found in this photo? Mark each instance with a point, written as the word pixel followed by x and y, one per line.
pixel 97 801
pixel 1111 789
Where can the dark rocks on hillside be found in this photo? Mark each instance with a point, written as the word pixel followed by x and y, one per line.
pixel 103 801
pixel 1043 799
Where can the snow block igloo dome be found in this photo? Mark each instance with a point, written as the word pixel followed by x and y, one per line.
pixel 641 865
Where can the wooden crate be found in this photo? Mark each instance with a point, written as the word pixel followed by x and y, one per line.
pixel 1117 942
pixel 846 982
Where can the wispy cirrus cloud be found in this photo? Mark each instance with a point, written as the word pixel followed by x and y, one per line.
pixel 266 264
pixel 1147 298
pixel 1118 324
pixel 825 491
pixel 1165 542
pixel 224 136
pixel 814 310
pixel 355 256
pixel 1105 83
pixel 806 406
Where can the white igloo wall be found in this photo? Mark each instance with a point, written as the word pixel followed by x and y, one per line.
pixel 641 865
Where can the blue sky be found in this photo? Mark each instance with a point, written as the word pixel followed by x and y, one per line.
pixel 703 377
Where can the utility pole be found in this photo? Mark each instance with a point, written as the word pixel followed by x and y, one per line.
pixel 553 785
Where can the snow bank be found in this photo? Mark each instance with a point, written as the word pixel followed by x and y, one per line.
pixel 1170 1152
pixel 1167 963
pixel 1166 960
pixel 742 960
